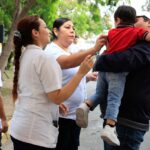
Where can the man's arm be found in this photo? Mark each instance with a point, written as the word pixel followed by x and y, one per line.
pixel 132 59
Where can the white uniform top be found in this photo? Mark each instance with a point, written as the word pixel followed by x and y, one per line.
pixel 79 94
pixel 32 119
pixel 74 48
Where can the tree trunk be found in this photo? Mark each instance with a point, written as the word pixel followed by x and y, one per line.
pixel 18 14
pixel 6 52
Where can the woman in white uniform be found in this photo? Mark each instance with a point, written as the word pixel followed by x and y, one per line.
pixel 64 34
pixel 37 87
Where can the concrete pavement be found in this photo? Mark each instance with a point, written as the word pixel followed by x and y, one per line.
pixel 90 137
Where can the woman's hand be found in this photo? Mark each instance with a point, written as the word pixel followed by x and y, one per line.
pixel 86 65
pixel 100 42
pixel 63 109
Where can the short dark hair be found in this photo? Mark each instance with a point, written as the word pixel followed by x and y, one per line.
pixel 57 24
pixel 144 17
pixel 126 13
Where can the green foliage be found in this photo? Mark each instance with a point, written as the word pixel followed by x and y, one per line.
pixel 85 14
pixel 6 13
pixel 47 9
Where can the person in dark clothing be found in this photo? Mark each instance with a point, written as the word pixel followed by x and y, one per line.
pixel 111 85
pixel 134 112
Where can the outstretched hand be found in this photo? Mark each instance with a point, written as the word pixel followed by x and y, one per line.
pixel 86 65
pixel 100 42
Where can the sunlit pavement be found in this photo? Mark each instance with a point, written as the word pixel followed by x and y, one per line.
pixel 90 137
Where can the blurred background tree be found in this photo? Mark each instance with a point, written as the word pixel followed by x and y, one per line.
pixel 87 15
pixel 146 6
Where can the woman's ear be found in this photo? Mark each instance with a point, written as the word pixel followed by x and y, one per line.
pixel 35 33
pixel 55 31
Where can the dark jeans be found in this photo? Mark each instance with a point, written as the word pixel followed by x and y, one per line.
pixel 130 139
pixel 19 145
pixel 69 133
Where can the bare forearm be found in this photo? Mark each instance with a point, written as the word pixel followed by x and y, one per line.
pixel 61 95
pixel 72 85
pixel 75 59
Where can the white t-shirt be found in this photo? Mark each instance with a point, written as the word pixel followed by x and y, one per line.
pixel 79 95
pixel 32 118
pixel 74 48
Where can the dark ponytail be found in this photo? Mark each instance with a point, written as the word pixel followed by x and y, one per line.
pixel 22 37
pixel 17 54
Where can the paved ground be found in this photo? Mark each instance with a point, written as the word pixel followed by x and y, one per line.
pixel 90 137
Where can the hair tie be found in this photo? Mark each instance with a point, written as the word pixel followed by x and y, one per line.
pixel 17 34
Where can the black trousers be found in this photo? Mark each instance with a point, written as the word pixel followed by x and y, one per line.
pixel 69 133
pixel 19 145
